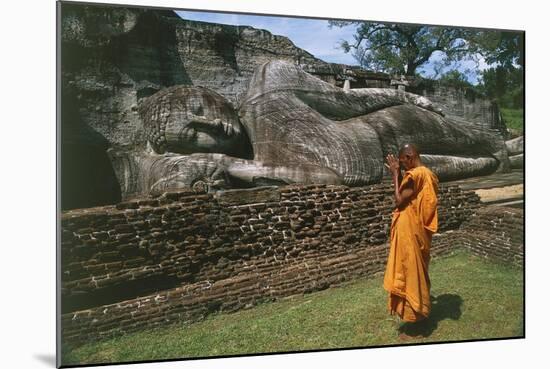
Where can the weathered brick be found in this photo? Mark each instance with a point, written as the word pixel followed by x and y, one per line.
pixel 225 252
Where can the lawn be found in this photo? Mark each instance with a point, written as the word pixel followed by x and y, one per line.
pixel 472 299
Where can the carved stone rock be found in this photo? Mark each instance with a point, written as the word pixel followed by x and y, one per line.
pixel 114 59
pixel 515 146
pixel 517 161
pixel 292 127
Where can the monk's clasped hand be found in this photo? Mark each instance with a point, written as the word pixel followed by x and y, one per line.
pixel 392 163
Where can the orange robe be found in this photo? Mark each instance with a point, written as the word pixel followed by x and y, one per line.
pixel 406 278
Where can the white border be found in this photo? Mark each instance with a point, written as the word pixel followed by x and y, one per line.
pixel 28 181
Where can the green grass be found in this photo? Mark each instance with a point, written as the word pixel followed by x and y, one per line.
pixel 473 299
pixel 513 118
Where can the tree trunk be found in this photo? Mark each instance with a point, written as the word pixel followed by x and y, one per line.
pixel 411 68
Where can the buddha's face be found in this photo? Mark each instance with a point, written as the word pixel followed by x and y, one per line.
pixel 185 120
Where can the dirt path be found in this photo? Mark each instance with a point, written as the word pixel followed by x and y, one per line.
pixel 501 193
pixel 514 177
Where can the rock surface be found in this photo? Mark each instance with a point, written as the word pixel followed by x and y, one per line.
pixel 462 104
pixel 517 161
pixel 515 146
pixel 112 58
pixel 292 117
pixel 185 120
pixel 301 130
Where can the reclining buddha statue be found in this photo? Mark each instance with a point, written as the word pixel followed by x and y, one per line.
pixel 292 127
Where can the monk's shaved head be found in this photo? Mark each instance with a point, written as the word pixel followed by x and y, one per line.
pixel 409 150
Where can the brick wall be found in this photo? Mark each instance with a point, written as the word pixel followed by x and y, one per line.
pixel 495 233
pixel 181 256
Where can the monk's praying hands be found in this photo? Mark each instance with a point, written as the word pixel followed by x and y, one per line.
pixel 392 163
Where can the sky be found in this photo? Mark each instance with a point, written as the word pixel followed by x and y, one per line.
pixel 316 37
pixel 312 35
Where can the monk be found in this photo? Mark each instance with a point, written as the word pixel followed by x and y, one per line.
pixel 414 221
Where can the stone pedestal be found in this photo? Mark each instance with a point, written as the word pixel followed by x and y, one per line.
pixel 347 85
pixel 401 83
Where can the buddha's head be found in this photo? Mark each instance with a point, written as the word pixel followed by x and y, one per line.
pixel 189 119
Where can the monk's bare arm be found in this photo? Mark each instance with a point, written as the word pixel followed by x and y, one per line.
pixel 402 197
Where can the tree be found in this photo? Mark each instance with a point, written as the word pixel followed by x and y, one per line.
pixel 504 84
pixel 455 78
pixel 402 48
pixel 503 48
pixel 503 81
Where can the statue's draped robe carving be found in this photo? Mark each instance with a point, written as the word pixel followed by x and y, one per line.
pixel 292 127
pixel 406 278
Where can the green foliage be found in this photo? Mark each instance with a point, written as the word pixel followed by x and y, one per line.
pixel 456 79
pixel 503 82
pixel 504 48
pixel 473 299
pixel 513 118
pixel 401 48
pixel 505 85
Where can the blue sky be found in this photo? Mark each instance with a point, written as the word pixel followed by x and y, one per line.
pixel 312 35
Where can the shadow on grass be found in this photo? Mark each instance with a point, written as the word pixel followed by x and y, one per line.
pixel 446 306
